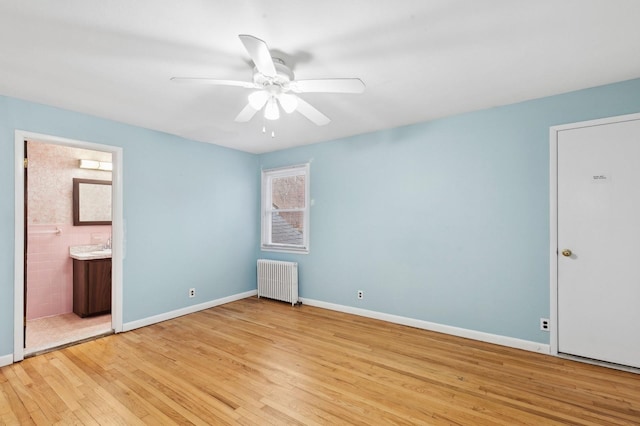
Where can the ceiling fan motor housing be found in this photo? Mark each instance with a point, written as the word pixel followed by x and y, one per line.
pixel 283 76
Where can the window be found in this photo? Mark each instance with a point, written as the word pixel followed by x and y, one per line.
pixel 285 209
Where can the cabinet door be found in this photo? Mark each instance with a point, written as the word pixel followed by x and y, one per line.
pixel 80 295
pixel 99 290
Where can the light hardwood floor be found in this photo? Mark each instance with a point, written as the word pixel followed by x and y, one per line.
pixel 260 362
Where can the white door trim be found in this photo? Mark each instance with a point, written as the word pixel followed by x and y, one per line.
pixel 117 230
pixel 553 212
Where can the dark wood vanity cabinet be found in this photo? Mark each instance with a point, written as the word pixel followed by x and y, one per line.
pixel 91 287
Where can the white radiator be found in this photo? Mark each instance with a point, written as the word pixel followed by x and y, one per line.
pixel 278 280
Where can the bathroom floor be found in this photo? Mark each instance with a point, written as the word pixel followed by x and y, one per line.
pixel 59 330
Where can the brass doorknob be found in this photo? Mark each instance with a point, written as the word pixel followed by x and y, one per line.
pixel 566 252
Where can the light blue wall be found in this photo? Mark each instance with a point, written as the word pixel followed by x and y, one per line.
pixel 189 208
pixel 446 221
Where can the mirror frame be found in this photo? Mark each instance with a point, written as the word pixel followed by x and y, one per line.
pixel 76 202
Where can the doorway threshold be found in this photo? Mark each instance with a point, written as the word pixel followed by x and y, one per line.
pixel 42 351
pixel 57 331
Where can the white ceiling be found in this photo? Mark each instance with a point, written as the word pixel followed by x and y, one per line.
pixel 420 59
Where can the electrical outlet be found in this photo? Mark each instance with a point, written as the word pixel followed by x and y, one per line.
pixel 544 324
pixel 360 294
pixel 192 292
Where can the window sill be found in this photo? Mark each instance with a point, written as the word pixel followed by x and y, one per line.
pixel 293 250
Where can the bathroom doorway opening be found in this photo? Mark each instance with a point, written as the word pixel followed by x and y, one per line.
pixel 51 234
pixel 45 317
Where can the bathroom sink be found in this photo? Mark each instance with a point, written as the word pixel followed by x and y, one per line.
pixel 89 252
pixel 103 251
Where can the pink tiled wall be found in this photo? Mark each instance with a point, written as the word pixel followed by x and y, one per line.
pixel 49 267
pixel 49 186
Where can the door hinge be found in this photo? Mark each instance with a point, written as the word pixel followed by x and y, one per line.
pixel 25 162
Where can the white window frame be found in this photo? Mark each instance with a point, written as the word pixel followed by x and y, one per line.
pixel 266 209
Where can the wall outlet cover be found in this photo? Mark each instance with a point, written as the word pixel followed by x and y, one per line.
pixel 544 324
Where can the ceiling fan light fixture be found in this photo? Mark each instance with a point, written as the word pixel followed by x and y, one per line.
pixel 289 103
pixel 271 111
pixel 258 99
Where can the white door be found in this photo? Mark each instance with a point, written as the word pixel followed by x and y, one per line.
pixel 599 233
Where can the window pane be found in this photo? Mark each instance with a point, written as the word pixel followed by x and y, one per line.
pixel 285 209
pixel 288 192
pixel 287 228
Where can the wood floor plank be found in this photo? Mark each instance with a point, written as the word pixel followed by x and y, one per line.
pixel 260 362
pixel 16 405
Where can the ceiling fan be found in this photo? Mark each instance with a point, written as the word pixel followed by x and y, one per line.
pixel 275 86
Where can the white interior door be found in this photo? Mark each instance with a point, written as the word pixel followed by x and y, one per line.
pixel 599 223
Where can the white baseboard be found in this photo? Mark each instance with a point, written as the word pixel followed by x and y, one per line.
pixel 184 311
pixel 6 360
pixel 431 326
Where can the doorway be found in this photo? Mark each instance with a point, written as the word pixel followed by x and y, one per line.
pixel 51 234
pixel 54 231
pixel 595 173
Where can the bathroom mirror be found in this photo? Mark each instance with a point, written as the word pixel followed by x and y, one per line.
pixel 91 202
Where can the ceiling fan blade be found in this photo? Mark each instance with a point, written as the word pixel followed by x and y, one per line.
pixel 288 102
pixel 329 85
pixel 259 53
pixel 216 82
pixel 312 113
pixel 246 114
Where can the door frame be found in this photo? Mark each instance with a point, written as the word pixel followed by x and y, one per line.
pixel 117 230
pixel 553 213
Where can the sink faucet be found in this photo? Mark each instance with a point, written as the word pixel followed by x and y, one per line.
pixel 107 245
